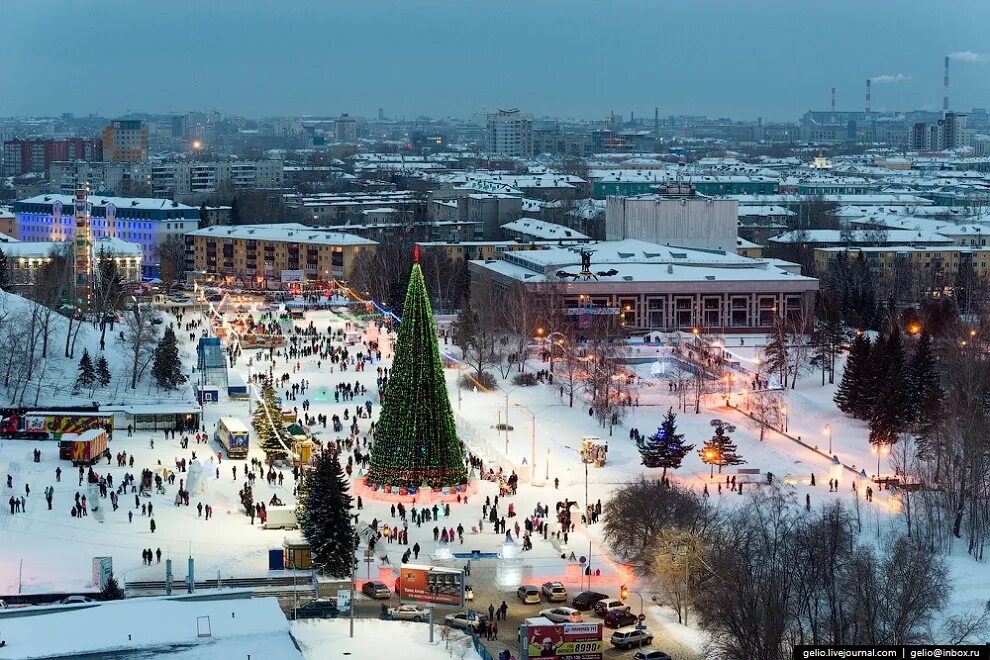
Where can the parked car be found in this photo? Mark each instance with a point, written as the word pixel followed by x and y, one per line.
pixel 627 638
pixel 409 613
pixel 468 592
pixel 321 608
pixel 586 600
pixel 76 600
pixel 562 615
pixel 554 591
pixel 376 589
pixel 528 594
pixel 460 620
pixel 606 605
pixel 619 618
pixel 651 654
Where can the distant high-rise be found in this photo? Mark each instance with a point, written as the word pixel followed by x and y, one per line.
pixel 23 156
pixel 345 129
pixel 510 133
pixel 125 141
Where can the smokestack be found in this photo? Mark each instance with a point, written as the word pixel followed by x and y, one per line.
pixel 945 84
pixel 868 84
pixel 833 100
pixel 656 127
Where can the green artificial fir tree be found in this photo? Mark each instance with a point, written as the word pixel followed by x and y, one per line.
pixel 324 514
pixel 87 374
pixel 102 371
pixel 268 425
pixel 167 368
pixel 665 448
pixel 415 438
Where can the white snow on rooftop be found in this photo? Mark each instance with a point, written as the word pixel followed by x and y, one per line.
pixel 99 201
pixel 151 629
pixel 543 230
pixel 289 232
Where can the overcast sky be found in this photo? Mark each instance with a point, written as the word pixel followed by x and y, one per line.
pixel 573 58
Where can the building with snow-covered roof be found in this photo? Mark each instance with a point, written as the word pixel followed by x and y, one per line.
pixel 647 286
pixel 227 624
pixel 932 269
pixel 537 230
pixel 861 237
pixel 268 256
pixel 147 221
pixel 26 259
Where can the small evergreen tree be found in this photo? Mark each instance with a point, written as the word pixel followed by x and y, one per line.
pixel 111 590
pixel 720 450
pixel 4 272
pixel 850 391
pixel 235 212
pixel 102 371
pixel 324 516
pixel 665 448
pixel 87 373
pixel 167 367
pixel 268 425
pixel 775 355
pixel 204 217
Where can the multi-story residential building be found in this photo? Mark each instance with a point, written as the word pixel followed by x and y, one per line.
pixel 25 260
pixel 655 287
pixel 346 208
pixel 345 129
pixel 8 222
pixel 269 255
pixel 125 141
pixel 148 222
pixel 934 268
pixel 950 132
pixel 36 155
pixel 510 133
pixel 168 179
pixel 197 177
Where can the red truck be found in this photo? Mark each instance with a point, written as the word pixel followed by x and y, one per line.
pixel 45 425
pixel 83 448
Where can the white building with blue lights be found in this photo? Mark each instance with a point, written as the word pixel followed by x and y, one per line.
pixel 149 222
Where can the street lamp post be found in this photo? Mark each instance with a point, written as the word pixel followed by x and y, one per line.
pixel 828 429
pixel 783 412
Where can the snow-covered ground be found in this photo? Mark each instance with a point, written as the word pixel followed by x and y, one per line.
pixel 45 550
pixel 376 639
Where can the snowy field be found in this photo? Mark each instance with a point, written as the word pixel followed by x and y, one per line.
pixel 45 550
pixel 320 639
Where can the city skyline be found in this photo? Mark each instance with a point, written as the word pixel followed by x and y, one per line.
pixel 441 58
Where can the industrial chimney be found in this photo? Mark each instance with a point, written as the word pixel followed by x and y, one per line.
pixel 868 83
pixel 833 100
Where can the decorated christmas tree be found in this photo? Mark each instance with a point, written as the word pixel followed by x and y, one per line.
pixel 665 448
pixel 415 438
pixel 268 425
pixel 720 450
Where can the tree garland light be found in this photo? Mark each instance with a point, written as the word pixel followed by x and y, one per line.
pixel 416 439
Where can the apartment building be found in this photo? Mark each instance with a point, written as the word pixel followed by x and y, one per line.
pixel 268 255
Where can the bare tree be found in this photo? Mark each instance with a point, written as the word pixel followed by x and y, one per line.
pixel 140 336
pixel 605 380
pixel 766 407
pixel 172 260
pixel 797 327
pixel 519 321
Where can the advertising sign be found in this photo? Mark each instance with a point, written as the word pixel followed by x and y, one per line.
pixel 102 568
pixel 292 276
pixel 563 641
pixel 343 600
pixel 431 584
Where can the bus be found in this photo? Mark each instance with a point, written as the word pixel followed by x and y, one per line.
pixel 232 436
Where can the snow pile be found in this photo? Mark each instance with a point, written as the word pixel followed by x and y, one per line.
pixel 196 482
pixel 157 627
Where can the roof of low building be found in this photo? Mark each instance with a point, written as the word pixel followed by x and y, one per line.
pixel 543 230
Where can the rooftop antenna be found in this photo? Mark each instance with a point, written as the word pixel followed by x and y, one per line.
pixel 945 85
pixel 833 100
pixel 868 84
